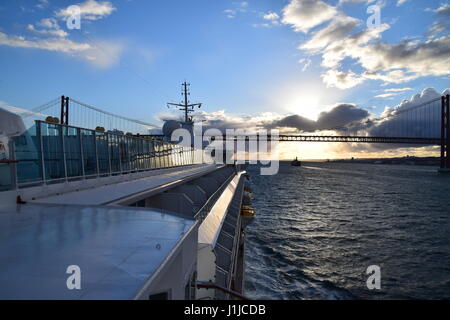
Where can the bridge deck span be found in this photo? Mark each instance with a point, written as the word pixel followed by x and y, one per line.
pixel 360 139
pixel 349 139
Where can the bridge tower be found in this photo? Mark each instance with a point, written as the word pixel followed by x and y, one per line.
pixel 64 110
pixel 445 132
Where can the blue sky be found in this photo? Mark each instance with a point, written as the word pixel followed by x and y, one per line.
pixel 241 57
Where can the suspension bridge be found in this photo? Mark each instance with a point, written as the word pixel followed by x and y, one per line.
pixel 68 111
pixel 424 124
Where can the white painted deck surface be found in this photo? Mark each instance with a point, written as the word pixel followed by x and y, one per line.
pixel 117 249
pixel 103 195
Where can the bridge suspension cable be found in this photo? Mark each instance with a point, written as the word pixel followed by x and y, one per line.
pixel 106 119
pixel 76 113
pixel 420 121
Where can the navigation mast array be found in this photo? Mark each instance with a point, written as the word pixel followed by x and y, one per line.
pixel 186 106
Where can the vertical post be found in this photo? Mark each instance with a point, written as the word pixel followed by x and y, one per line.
pixel 150 155
pixel 183 156
pixel 163 152
pixel 96 153
pixel 131 147
pixel 83 171
pixel 186 114
pixel 63 103
pixel 153 154
pixel 12 156
pixel 447 128
pixel 64 110
pixel 175 156
pixel 41 147
pixel 66 122
pixel 120 139
pixel 109 153
pixel 442 132
pixel 63 130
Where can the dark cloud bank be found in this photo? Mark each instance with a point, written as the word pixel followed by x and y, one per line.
pixel 339 116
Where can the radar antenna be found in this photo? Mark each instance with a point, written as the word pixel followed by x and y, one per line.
pixel 186 106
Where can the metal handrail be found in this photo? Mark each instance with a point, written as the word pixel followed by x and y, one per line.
pixel 210 285
pixel 212 199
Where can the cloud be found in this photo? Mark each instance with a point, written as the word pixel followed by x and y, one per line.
pixel 342 80
pixel 400 2
pixel 401 121
pixel 341 2
pixel 442 24
pixel 426 95
pixel 48 23
pixel 101 54
pixel 51 37
pixel 50 27
pixel 50 32
pixel 340 115
pixel 42 4
pixel 244 4
pixel 271 16
pixel 396 121
pixel 336 30
pixel 429 58
pixel 348 115
pixel 304 15
pixel 295 121
pixel 230 13
pixel 337 51
pixel 90 10
pixel 51 44
pixel 386 95
pixel 306 63
pixel 443 10
pixel 334 121
pixel 222 121
pixel 340 43
pixel 240 7
pixel 389 93
pixel 391 63
pixel 398 89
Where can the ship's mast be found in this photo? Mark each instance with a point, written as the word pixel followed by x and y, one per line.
pixel 186 106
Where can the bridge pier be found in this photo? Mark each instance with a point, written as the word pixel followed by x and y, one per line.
pixel 445 134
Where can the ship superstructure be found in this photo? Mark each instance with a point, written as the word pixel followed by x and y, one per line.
pixel 139 216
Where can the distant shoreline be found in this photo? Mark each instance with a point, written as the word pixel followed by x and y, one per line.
pixel 422 161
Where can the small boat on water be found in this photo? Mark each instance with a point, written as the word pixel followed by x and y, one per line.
pixel 296 163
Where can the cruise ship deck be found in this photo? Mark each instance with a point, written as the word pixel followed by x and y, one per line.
pixel 139 217
pixel 118 249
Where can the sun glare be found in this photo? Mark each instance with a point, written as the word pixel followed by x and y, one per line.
pixel 305 102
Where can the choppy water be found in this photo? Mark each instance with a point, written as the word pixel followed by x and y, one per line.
pixel 320 226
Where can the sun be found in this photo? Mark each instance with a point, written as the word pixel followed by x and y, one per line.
pixel 304 104
pixel 304 99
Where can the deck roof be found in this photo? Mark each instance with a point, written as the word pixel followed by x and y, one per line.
pixel 117 248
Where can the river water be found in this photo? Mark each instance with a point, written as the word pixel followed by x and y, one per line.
pixel 320 226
